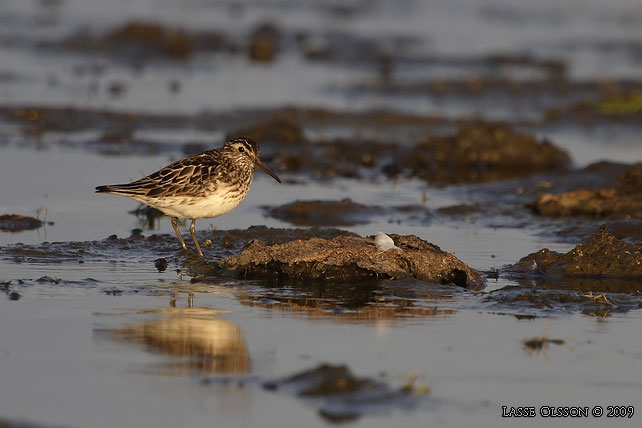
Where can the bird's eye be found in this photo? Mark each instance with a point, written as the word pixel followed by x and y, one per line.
pixel 241 149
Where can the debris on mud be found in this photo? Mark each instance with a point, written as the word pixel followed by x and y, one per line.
pixel 340 396
pixel 601 263
pixel 480 152
pixel 350 258
pixel 538 344
pixel 324 213
pixel 18 223
pixel 622 201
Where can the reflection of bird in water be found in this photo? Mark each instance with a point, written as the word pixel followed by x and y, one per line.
pixel 210 345
pixel 148 217
pixel 203 185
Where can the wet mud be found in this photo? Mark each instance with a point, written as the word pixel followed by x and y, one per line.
pixel 351 259
pixel 325 213
pixel 341 397
pixel 481 152
pixel 18 223
pixel 619 104
pixel 530 300
pixel 137 42
pixel 149 248
pixel 512 203
pixel 602 263
pixel 622 201
pixel 477 152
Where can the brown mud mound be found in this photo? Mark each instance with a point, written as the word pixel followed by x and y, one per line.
pixel 480 152
pixel 18 223
pixel 350 258
pixel 622 201
pixel 602 263
pixel 322 213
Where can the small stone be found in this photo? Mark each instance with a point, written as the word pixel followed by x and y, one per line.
pixel 160 264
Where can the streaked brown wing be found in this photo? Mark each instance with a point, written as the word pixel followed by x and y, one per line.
pixel 186 176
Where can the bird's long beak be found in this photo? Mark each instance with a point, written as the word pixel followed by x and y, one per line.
pixel 260 165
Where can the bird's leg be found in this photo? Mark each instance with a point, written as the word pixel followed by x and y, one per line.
pixel 191 230
pixel 178 232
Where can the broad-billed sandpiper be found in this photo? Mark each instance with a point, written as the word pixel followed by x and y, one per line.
pixel 203 185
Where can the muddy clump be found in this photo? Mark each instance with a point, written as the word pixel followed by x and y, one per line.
pixel 11 295
pixel 601 263
pixel 619 103
pixel 622 201
pixel 324 213
pixel 263 45
pixel 481 152
pixel 340 396
pixel 281 129
pixel 173 43
pixel 351 258
pixel 18 223
pixel 138 40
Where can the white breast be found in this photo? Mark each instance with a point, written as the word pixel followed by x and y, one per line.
pixel 193 207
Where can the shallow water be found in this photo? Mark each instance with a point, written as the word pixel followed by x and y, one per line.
pixel 92 334
pixel 461 354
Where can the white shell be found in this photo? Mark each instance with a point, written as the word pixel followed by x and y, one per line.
pixel 384 243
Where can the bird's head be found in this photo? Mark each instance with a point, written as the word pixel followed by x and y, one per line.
pixel 246 151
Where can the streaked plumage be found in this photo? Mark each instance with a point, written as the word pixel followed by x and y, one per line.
pixel 203 185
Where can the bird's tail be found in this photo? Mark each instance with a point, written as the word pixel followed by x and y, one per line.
pixel 120 189
pixel 103 189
